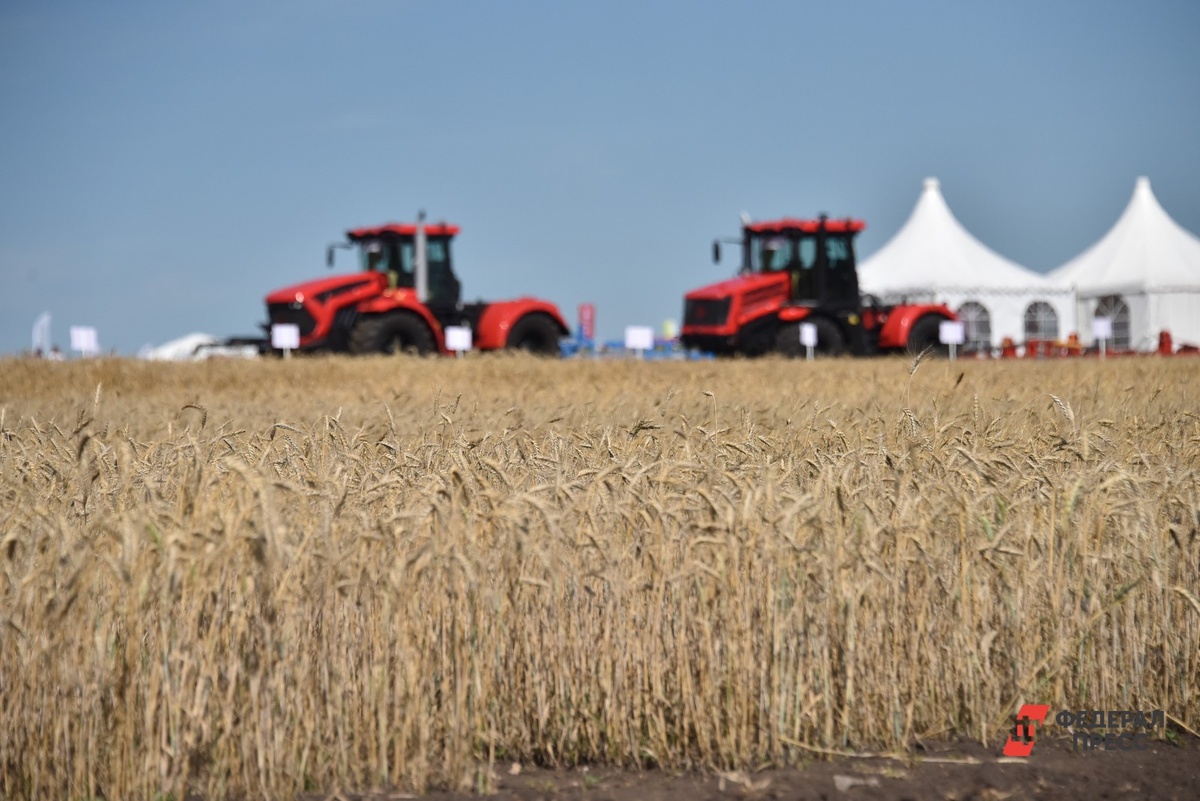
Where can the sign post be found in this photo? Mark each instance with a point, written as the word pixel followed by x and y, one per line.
pixel 458 339
pixel 808 338
pixel 952 333
pixel 84 340
pixel 639 339
pixel 285 337
pixel 1102 330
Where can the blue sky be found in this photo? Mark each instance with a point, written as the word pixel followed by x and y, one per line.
pixel 164 165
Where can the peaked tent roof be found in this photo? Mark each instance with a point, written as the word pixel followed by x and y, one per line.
pixel 1145 249
pixel 932 250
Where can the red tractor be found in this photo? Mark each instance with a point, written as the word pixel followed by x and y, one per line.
pixel 404 298
pixel 802 271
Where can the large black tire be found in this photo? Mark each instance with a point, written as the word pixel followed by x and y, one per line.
pixel 830 341
pixel 925 336
pixel 535 333
pixel 393 332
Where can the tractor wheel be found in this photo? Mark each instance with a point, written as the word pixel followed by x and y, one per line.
pixel 925 336
pixel 535 333
pixel 829 339
pixel 394 332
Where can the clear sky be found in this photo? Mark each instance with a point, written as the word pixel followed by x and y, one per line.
pixel 164 165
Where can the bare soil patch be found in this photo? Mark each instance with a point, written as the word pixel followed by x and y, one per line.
pixel 945 771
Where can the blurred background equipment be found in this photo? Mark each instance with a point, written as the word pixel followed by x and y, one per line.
pixel 404 297
pixel 794 271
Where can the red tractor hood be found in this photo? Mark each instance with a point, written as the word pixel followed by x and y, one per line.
pixel 738 286
pixel 321 286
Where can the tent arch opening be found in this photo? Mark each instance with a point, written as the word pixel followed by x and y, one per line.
pixel 1116 309
pixel 977 326
pixel 1041 321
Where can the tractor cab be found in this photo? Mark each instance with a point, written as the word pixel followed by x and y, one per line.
pixel 817 256
pixel 391 250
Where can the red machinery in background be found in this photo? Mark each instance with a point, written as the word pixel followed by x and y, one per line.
pixel 404 298
pixel 803 271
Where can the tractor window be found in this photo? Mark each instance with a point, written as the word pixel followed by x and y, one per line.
pixel 437 252
pixel 444 288
pixel 401 271
pixel 397 259
pixel 841 283
pixel 805 285
pixel 777 253
pixel 407 261
pixel 769 253
pixel 374 256
pixel 808 253
pixel 837 250
pixel 390 257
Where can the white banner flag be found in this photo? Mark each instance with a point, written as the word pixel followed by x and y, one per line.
pixel 41 334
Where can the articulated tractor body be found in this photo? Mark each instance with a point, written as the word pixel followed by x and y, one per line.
pixel 404 297
pixel 798 271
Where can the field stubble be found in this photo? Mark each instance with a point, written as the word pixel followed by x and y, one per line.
pixel 266 578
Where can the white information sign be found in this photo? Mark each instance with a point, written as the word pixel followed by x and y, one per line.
pixel 85 340
pixel 285 336
pixel 808 335
pixel 1102 330
pixel 952 332
pixel 639 338
pixel 458 338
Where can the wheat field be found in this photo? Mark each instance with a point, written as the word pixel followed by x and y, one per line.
pixel 245 579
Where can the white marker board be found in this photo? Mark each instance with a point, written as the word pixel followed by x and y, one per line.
pixel 458 338
pixel 639 337
pixel 808 335
pixel 285 336
pixel 84 339
pixel 952 332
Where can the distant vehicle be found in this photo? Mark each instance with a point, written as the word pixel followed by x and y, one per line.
pixel 197 347
pixel 802 271
pixel 404 298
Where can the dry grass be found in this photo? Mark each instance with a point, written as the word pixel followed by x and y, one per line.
pixel 256 579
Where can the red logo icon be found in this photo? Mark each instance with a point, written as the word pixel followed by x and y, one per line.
pixel 1024 733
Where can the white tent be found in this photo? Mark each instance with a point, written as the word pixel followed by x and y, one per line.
pixel 933 258
pixel 1144 275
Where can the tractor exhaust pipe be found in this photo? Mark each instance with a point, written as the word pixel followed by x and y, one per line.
pixel 421 266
